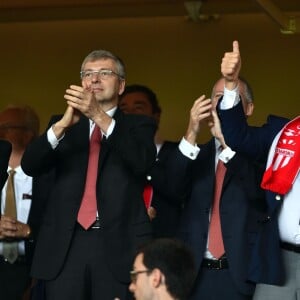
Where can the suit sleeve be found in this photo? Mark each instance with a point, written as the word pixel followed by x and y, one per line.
pixel 178 175
pixel 251 141
pixel 133 141
pixel 39 156
pixel 5 151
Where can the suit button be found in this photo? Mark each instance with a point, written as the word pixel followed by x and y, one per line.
pixel 278 197
pixel 149 177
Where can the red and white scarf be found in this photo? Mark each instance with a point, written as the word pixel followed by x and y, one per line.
pixel 284 160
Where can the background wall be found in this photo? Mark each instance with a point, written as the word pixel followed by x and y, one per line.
pixel 178 59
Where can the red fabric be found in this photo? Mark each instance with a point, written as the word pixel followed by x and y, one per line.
pixel 215 243
pixel 147 194
pixel 88 208
pixel 280 175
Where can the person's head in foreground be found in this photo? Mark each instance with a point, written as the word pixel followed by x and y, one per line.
pixel 162 269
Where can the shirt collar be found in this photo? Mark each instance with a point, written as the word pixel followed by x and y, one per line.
pixel 218 145
pixel 18 171
pixel 110 112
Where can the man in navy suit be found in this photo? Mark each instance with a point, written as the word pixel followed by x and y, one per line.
pixel 76 260
pixel 192 174
pixel 274 264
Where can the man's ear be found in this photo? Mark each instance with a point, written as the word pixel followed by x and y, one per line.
pixel 157 278
pixel 122 86
pixel 156 116
pixel 249 109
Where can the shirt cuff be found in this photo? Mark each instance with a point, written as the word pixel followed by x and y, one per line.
pixel 52 139
pixel 226 155
pixel 230 98
pixel 188 150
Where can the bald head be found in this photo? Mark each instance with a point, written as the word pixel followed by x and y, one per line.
pixel 19 125
pixel 244 90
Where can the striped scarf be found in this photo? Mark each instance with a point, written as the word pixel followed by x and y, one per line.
pixel 284 159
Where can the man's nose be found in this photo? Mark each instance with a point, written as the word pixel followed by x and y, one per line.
pixel 95 77
pixel 131 287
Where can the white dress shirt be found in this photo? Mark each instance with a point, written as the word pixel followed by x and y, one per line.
pixel 23 193
pixel 54 141
pixel 192 151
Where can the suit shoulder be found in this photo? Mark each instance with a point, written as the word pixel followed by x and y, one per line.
pixel 277 120
pixel 138 120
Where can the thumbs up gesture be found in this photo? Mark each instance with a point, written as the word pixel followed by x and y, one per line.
pixel 231 66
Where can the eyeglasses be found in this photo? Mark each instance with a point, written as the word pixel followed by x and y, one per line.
pixel 102 74
pixel 134 274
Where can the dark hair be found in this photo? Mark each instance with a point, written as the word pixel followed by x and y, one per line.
pixel 147 91
pixel 175 261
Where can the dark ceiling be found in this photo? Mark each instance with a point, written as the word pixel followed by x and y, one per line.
pixel 37 10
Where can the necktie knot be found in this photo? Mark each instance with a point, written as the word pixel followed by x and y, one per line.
pixel 96 135
pixel 11 172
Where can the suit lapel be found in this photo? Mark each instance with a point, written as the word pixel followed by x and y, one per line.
pixel 104 145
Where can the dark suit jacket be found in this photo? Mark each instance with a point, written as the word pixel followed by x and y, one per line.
pixel 194 179
pixel 266 264
pixel 125 157
pixel 168 207
pixel 5 150
pixel 41 187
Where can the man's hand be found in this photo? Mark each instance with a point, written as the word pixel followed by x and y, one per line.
pixel 231 66
pixel 200 112
pixel 70 117
pixel 215 129
pixel 11 228
pixel 84 101
pixel 151 211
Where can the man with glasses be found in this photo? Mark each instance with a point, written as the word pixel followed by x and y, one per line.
pixel 163 269
pixel 95 217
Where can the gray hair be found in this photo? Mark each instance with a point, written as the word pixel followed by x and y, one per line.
pixel 103 54
pixel 247 91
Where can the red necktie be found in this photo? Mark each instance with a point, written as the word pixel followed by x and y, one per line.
pixel 88 208
pixel 147 194
pixel 215 244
